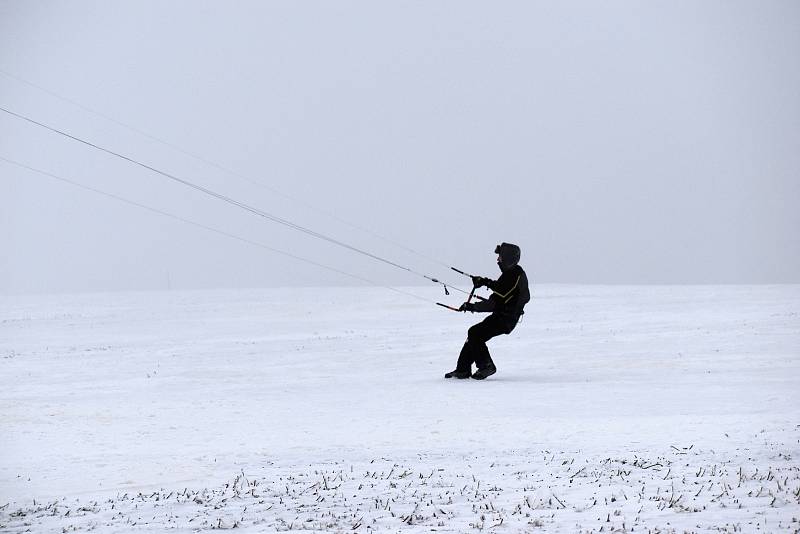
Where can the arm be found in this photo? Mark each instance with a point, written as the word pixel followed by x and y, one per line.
pixel 482 306
pixel 503 286
pixel 506 287
pixel 486 305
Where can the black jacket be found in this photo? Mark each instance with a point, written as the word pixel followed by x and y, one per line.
pixel 510 294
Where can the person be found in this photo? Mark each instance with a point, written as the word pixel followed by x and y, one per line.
pixel 509 295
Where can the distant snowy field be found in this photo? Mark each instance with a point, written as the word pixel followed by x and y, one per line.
pixel 639 409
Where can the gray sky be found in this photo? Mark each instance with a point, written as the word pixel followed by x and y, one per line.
pixel 615 142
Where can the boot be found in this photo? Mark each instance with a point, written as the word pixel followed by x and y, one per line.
pixel 480 374
pixel 458 374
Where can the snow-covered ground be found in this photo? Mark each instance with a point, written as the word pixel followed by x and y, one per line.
pixel 614 409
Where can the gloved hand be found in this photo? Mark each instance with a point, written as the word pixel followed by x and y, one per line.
pixel 479 281
pixel 467 307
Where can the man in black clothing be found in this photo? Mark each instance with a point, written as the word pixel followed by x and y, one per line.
pixel 509 295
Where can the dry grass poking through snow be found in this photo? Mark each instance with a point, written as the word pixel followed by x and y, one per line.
pixel 682 489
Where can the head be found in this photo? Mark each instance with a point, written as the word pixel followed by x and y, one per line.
pixel 507 255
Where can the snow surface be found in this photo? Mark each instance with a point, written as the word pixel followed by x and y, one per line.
pixel 639 409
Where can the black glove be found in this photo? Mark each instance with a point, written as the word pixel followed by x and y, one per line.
pixel 479 281
pixel 467 307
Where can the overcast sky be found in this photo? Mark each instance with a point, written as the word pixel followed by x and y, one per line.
pixel 615 142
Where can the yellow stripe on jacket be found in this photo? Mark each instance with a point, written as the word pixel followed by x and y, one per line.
pixel 503 296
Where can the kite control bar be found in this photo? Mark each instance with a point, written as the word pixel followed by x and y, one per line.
pixel 469 298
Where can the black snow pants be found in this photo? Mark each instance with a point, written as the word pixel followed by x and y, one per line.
pixel 475 349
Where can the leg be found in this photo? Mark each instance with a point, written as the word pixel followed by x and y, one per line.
pixel 469 353
pixel 475 349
